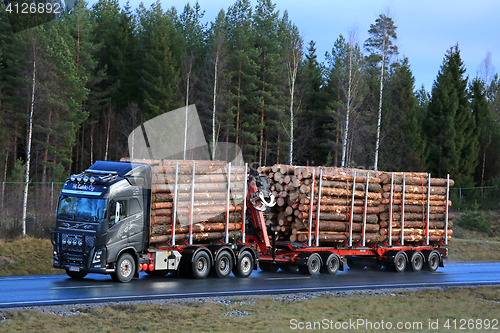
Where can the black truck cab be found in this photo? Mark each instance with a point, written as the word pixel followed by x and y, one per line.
pixel 102 214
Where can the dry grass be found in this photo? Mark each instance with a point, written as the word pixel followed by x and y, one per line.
pixel 26 256
pixel 270 315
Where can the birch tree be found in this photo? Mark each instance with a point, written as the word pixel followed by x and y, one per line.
pixel 292 44
pixel 381 45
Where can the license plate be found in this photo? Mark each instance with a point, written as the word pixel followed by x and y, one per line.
pixel 74 269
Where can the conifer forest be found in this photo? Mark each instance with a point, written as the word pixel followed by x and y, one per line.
pixel 74 85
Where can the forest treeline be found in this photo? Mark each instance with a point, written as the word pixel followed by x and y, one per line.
pixel 93 74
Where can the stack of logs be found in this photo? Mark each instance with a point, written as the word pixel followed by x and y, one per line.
pixel 417 201
pixel 294 220
pixel 208 218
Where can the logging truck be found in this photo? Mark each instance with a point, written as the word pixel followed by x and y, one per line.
pixel 200 218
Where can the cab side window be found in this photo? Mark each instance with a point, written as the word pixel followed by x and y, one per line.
pixel 115 215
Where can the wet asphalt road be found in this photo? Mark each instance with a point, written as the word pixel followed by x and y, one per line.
pixel 59 289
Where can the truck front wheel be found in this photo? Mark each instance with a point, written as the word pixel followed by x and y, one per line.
pixel 125 268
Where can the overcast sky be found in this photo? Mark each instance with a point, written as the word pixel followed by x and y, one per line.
pixel 426 29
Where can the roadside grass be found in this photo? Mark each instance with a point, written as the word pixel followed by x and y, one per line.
pixel 26 256
pixel 416 309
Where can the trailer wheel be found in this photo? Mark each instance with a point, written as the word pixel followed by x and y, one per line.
pixel 313 265
pixel 125 268
pixel 399 262
pixel 244 265
pixel 331 265
pixel 269 267
pixel 76 275
pixel 416 261
pixel 223 264
pixel 433 261
pixel 200 267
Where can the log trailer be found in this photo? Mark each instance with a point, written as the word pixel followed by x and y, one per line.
pixel 104 224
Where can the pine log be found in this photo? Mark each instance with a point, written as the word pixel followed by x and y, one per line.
pixel 196 210
pixel 198 187
pixel 335 237
pixel 386 201
pixel 187 204
pixel 414 216
pixel 341 217
pixel 187 179
pixel 198 196
pixel 417 224
pixel 414 180
pixel 341 209
pixel 341 193
pixel 415 189
pixel 197 228
pixel 198 237
pixel 420 232
pixel 209 218
pixel 339 202
pixel 414 196
pixel 419 239
pixel 413 209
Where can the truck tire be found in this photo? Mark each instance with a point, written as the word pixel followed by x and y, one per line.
pixel 244 265
pixel 433 261
pixel 200 267
pixel 313 265
pixel 416 261
pixel 125 268
pixel 269 267
pixel 76 275
pixel 400 262
pixel 223 264
pixel 331 265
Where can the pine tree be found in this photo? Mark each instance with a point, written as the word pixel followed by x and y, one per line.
pixel 404 146
pixel 158 73
pixel 271 75
pixel 451 134
pixel 242 69
pixel 485 126
pixel 316 121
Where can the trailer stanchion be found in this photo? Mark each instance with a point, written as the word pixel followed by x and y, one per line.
pixel 316 236
pixel 363 232
pixel 391 201
pixel 311 208
pixel 351 217
pixel 402 239
pixel 226 237
pixel 446 210
pixel 174 205
pixel 428 208
pixel 191 207
pixel 244 213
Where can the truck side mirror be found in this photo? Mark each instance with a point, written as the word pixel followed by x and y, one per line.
pixel 118 211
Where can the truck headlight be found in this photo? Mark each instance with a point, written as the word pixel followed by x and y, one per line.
pixel 97 257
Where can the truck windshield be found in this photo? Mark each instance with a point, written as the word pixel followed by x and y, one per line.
pixel 81 207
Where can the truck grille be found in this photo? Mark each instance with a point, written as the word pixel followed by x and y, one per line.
pixel 75 248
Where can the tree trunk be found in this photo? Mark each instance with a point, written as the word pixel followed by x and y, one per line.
pixel 28 155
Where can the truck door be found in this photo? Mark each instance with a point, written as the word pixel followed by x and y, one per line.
pixel 136 223
pixel 117 237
